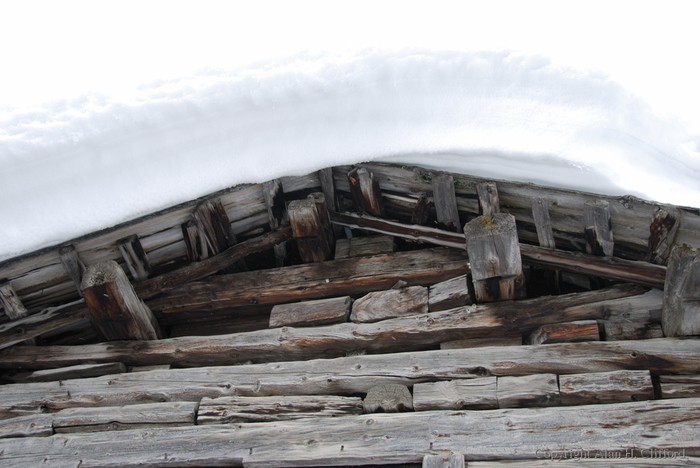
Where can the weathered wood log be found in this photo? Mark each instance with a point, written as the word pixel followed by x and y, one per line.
pixel 487 193
pixel 449 294
pixel 227 410
pixel 399 334
pixel 606 458
pixel 195 241
pixel 381 305
pixel 662 234
pixel 568 332
pixel 679 386
pixel 681 311
pixel 76 372
pixel 659 426
pixel 310 313
pixel 313 239
pixel 216 225
pixel 505 340
pixel 277 214
pixel 314 281
pixel 9 299
pixel 598 233
pixel 606 387
pixel 445 460
pixel 72 264
pixel 33 425
pixel 543 224
pixel 364 246
pixel 469 394
pixel 352 375
pixel 631 330
pixel 494 258
pixel 446 203
pixel 528 390
pixel 135 257
pixel 365 191
pixel 420 212
pixel 115 308
pixel 389 398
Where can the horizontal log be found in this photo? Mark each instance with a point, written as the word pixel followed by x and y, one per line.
pixel 613 268
pixel 76 372
pixel 33 425
pixel 314 281
pixel 527 390
pixel 414 332
pixel 352 375
pixel 449 294
pixel 679 386
pixel 382 305
pixel 605 387
pixel 582 330
pixel 456 394
pixel 505 340
pixel 669 425
pixel 310 313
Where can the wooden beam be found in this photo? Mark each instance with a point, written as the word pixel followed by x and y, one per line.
pixel 679 386
pixel 76 372
pixel 445 460
pixel 115 308
pixel 14 309
pixel 449 294
pixel 364 246
pixel 311 313
pixel 421 210
pixel 681 311
pixel 72 264
pixel 528 390
pixel 662 234
pixel 365 191
pixel 446 203
pixel 494 258
pixel 505 340
pixel 415 332
pixel 568 332
pixel 598 232
pixel 382 305
pixel 216 225
pixel 488 198
pixel 311 231
pixel 195 241
pixel 471 394
pixel 606 387
pixel 276 214
pixel 389 398
pixel 540 213
pixel 670 427
pixel 135 257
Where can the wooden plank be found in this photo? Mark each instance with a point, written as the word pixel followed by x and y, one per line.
pixel 662 426
pixel 311 313
pixel 543 224
pixel 681 311
pixel 470 394
pixel 506 340
pixel 445 460
pixel 381 305
pixel 612 268
pixel 631 330
pixel 76 372
pixel 216 225
pixel 567 332
pixel 72 264
pixel 277 214
pixel 117 311
pixel 488 198
pixel 494 258
pixel 352 375
pixel 449 294
pixel 227 410
pixel 365 191
pixel 14 308
pixel 446 203
pixel 606 458
pixel 662 234
pixel 364 246
pixel 150 415
pixel 195 240
pixel 528 390
pixel 388 398
pixel 315 242
pixel 135 257
pixel 34 425
pixel 392 335
pixel 679 386
pixel 606 387
pixel 598 233
pixel 421 210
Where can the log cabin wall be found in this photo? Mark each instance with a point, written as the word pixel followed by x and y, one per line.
pixel 278 338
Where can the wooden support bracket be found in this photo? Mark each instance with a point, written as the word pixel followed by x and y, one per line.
pixel 662 234
pixel 488 198
pixel 598 233
pixel 680 315
pixel 115 308
pixel 446 203
pixel 540 212
pixel 72 264
pixel 14 308
pixel 365 191
pixel 312 229
pixel 135 257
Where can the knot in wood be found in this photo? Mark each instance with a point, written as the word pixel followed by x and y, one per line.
pixel 391 398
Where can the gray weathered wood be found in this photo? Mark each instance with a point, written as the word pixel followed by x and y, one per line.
pixel 72 264
pixel 543 224
pixel 606 458
pixel 226 410
pixel 388 398
pixel 505 340
pixel 679 386
pixel 449 294
pixel 365 191
pixel 213 219
pixel 310 313
pixel 135 257
pixel 488 198
pixel 631 330
pixel 445 460
pixel 662 234
pixel 567 332
pixel 494 258
pixel 446 203
pixel 364 246
pixel 421 210
pixel 277 214
pixel 195 240
pixel 314 240
pixel 33 425
pixel 681 311
pixel 115 308
pixel 381 305
pixel 469 394
pixel 14 308
pixel 76 372
pixel 605 387
pixel 598 233
pixel 512 434
pixel 528 390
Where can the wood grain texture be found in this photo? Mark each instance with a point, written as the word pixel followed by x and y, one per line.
pixel 606 387
pixel 449 294
pixel 681 311
pixel 382 305
pixel 311 313
pixel 446 203
pixel 469 394
pixel 528 390
pixel 567 332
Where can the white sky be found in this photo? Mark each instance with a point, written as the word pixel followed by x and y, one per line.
pixel 60 49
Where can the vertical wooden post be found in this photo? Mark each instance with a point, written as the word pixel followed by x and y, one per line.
pixel 115 308
pixel 494 258
pixel 447 460
pixel 311 228
pixel 488 198
pixel 540 212
pixel 276 214
pixel 446 203
pixel 420 211
pixel 325 176
pixel 680 315
pixel 72 264
pixel 365 191
pixel 598 233
pixel 216 226
pixel 195 241
pixel 14 309
pixel 662 234
pixel 135 257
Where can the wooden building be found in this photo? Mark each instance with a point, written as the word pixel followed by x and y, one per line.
pixel 361 316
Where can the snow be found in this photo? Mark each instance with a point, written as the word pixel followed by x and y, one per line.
pixel 83 149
